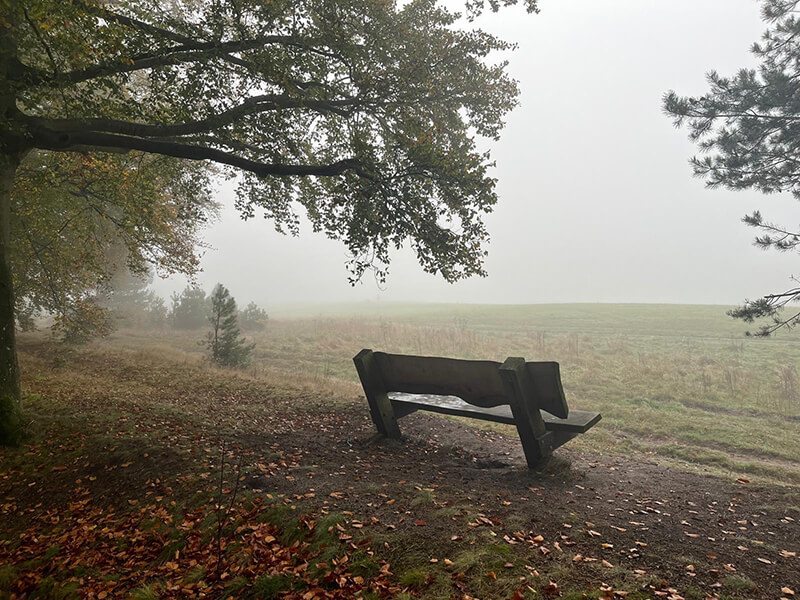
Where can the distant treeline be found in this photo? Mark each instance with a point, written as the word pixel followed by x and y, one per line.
pixel 190 309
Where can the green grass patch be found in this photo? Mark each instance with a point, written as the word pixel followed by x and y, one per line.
pixel 8 574
pixel 145 592
pixel 269 587
pixel 739 583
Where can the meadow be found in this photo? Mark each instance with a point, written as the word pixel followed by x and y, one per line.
pixel 149 473
pixel 680 382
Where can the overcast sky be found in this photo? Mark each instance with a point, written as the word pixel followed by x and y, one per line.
pixel 597 201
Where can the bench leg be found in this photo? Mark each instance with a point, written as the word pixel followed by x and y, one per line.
pixel 537 442
pixel 537 450
pixel 380 407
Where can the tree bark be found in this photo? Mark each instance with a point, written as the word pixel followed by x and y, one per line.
pixel 9 368
pixel 11 150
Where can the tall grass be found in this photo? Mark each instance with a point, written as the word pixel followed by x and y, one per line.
pixel 679 381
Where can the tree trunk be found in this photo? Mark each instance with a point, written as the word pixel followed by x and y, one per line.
pixel 12 149
pixel 10 424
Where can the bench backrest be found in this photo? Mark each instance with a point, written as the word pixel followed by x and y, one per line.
pixel 474 381
pixel 546 380
pixel 477 382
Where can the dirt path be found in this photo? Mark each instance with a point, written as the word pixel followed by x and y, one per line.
pixel 693 531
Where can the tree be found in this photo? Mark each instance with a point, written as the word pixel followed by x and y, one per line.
pixel 365 114
pixel 131 303
pixel 84 225
pixel 748 127
pixel 253 317
pixel 189 309
pixel 227 347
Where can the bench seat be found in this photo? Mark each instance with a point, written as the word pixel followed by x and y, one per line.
pixel 579 421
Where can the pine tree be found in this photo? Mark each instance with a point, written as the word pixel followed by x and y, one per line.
pixel 224 341
pixel 748 127
pixel 253 317
pixel 189 309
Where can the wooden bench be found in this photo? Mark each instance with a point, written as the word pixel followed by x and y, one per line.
pixel 528 395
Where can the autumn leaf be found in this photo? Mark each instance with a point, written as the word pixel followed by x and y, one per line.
pixel 551 589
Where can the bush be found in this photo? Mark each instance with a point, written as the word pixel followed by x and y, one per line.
pixel 253 317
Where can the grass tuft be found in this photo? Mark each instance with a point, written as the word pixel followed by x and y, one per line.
pixel 269 587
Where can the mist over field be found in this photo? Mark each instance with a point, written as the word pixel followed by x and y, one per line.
pixel 596 198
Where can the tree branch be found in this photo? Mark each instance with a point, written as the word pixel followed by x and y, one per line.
pixel 66 141
pixel 104 13
pixel 252 105
pixel 189 52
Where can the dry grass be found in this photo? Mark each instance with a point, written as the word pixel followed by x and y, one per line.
pixel 680 382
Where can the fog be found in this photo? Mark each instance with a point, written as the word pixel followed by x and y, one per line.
pixel 597 200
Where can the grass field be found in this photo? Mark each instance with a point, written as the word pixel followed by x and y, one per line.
pixel 679 381
pixel 147 473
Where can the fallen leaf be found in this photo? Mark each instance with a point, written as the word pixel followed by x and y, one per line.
pixel 551 589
